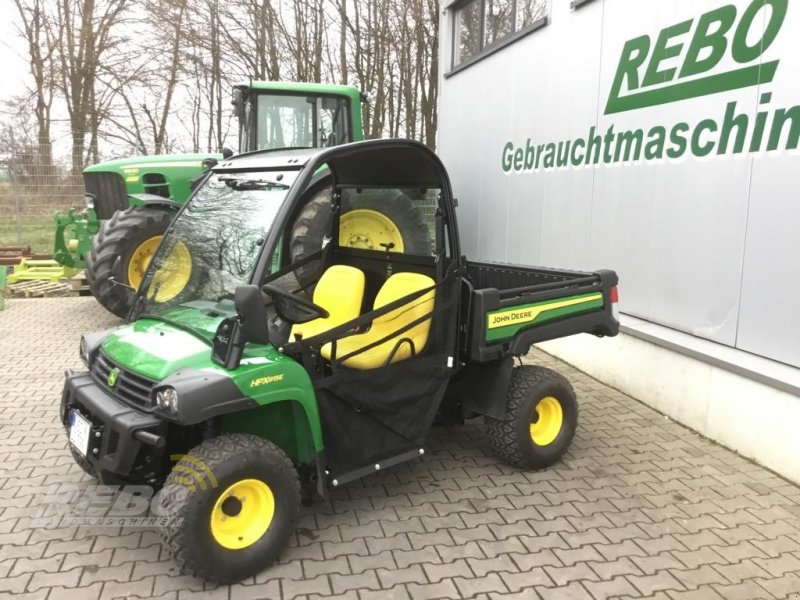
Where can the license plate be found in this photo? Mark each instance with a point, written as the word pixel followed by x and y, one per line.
pixel 79 430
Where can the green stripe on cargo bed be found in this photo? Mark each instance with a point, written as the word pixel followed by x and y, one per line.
pixel 504 324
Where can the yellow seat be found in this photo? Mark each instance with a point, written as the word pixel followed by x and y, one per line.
pixel 340 291
pixel 394 288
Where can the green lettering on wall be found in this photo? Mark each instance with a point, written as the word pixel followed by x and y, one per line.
pixel 508 149
pixel 654 150
pixel 677 138
pixel 629 145
pixel 664 51
pixel 703 149
pixel 705 39
pixel 550 156
pixel 782 117
pixel 742 53
pixel 664 81
pixel 634 54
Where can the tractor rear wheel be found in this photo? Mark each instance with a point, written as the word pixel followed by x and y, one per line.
pixel 132 235
pixel 231 505
pixel 541 419
pixel 368 220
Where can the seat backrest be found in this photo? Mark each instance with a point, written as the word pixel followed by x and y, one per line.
pixel 394 288
pixel 340 291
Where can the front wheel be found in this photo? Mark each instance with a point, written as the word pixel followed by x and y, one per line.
pixel 231 505
pixel 541 419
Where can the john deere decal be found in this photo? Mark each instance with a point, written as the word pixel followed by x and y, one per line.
pixel 504 324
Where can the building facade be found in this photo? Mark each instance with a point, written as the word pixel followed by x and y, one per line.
pixel 660 139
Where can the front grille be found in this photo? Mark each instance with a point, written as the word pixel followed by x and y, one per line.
pixel 131 388
pixel 109 192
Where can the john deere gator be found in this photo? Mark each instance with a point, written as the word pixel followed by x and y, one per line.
pixel 262 375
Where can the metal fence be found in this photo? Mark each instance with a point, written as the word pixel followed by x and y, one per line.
pixel 32 187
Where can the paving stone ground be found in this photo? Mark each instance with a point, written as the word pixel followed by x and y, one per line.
pixel 639 508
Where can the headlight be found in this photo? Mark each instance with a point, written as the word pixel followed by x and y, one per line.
pixel 167 399
pixel 89 199
pixel 83 352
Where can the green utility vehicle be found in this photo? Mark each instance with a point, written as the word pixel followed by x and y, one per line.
pixel 247 376
pixel 131 201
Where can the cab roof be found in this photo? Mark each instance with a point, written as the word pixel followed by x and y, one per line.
pixel 371 163
pixel 303 88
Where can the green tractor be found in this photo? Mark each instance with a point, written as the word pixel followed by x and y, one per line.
pixel 131 202
pixel 240 388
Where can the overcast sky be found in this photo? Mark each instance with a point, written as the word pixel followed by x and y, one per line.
pixel 14 68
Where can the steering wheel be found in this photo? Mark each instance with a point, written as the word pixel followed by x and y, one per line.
pixel 294 308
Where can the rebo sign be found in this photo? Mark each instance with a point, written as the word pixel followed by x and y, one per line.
pixel 641 74
pixel 719 51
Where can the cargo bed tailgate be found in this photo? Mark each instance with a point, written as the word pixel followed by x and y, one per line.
pixel 511 307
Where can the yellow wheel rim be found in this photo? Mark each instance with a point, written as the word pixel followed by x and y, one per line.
pixel 173 275
pixel 242 514
pixel 550 420
pixel 368 229
pixel 140 260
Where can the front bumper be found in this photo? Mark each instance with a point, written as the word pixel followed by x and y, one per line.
pixel 124 441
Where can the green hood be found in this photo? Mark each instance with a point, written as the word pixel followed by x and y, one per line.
pixel 155 349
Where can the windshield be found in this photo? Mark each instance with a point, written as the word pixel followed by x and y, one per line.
pixel 300 121
pixel 212 247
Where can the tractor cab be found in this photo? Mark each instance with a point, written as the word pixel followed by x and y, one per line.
pixel 275 115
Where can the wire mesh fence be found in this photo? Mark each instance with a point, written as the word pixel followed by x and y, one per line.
pixel 34 185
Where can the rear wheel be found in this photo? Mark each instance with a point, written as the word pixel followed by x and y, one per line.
pixel 368 220
pixel 541 419
pixel 378 217
pixel 133 235
pixel 233 502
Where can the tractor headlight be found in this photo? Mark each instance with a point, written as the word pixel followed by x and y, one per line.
pixel 89 199
pixel 167 400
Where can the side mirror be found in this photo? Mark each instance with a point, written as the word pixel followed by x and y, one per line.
pixel 237 100
pixel 249 305
pixel 226 346
pixel 209 163
pixel 249 325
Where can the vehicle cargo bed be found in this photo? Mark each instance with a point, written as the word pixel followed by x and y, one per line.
pixel 511 307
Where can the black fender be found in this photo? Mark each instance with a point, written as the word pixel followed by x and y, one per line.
pixel 202 395
pixel 481 387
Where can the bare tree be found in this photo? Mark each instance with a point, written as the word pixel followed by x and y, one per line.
pixel 88 35
pixel 303 30
pixel 34 28
pixel 249 29
pixel 166 87
pixel 167 17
